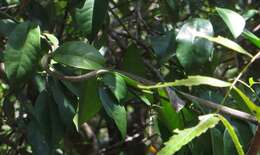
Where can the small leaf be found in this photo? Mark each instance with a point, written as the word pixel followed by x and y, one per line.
pixel 252 38
pixel 22 52
pixel 183 137
pixel 116 84
pixel 191 81
pixel 114 110
pixel 251 105
pixel 80 55
pixel 233 20
pixel 192 52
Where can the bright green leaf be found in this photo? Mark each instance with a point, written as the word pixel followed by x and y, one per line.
pixel 234 21
pixel 80 55
pixel 183 137
pixel 191 81
pixel 252 38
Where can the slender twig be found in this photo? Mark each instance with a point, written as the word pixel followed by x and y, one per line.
pixel 223 109
pixel 63 25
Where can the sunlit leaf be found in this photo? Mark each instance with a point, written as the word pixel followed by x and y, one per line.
pixel 234 21
pixel 80 55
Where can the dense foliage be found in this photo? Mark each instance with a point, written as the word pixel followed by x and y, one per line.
pixel 129 77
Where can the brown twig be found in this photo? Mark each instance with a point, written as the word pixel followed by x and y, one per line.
pixel 255 143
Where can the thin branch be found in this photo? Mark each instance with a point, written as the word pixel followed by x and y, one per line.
pixel 63 25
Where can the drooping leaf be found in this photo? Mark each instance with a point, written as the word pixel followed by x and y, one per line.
pixel 90 17
pixel 116 84
pixel 65 107
pixel 227 43
pixel 89 103
pixel 80 55
pixel 252 38
pixel 114 110
pixel 192 52
pixel 233 20
pixel 232 134
pixel 251 105
pixel 191 81
pixel 217 142
pixel 183 137
pixel 22 52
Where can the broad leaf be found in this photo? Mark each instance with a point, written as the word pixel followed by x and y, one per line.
pixel 89 103
pixel 22 52
pixel 80 55
pixel 6 27
pixel 191 81
pixel 90 17
pixel 234 21
pixel 192 52
pixel 116 84
pixel 185 136
pixel 66 109
pixel 114 110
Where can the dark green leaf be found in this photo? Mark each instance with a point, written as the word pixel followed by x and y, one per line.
pixel 89 103
pixel 116 84
pixel 114 110
pixel 192 51
pixel 22 52
pixel 6 27
pixel 90 17
pixel 79 54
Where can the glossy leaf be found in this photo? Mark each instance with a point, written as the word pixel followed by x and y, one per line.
pixel 90 17
pixel 80 55
pixel 22 52
pixel 252 38
pixel 183 137
pixel 192 52
pixel 114 110
pixel 191 81
pixel 116 84
pixel 233 20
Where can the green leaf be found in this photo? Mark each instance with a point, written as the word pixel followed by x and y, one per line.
pixel 80 55
pixel 89 103
pixel 22 52
pixel 252 38
pixel 90 17
pixel 66 109
pixel 116 84
pixel 233 20
pixel 114 110
pixel 227 43
pixel 251 105
pixel 191 81
pixel 185 136
pixel 6 27
pixel 192 52
pixel 217 142
pixel 232 134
